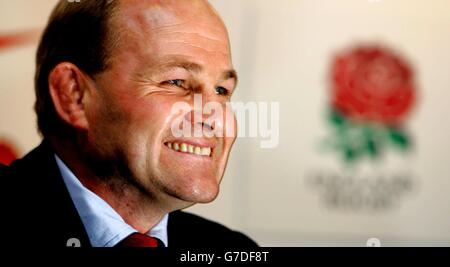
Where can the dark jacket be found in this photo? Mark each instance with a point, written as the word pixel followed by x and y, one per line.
pixel 38 210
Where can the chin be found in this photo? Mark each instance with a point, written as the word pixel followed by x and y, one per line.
pixel 206 196
pixel 190 178
pixel 201 192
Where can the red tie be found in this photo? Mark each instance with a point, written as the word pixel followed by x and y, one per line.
pixel 140 240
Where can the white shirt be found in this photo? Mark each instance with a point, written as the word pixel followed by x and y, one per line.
pixel 104 226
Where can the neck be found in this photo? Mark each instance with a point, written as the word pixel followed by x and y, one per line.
pixel 134 205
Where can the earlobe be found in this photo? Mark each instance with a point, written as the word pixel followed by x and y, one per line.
pixel 68 91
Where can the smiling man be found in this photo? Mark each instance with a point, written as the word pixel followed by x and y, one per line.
pixel 110 172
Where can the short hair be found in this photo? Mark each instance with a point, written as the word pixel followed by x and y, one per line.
pixel 77 32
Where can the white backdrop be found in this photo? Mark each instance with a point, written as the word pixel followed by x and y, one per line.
pixel 283 50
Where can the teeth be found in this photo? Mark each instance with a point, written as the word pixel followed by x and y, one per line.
pixel 206 151
pixel 185 148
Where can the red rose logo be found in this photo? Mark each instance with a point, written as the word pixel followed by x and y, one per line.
pixel 372 84
pixel 372 92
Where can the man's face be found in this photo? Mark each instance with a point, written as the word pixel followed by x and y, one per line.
pixel 167 51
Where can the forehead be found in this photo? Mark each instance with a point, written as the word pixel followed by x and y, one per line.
pixel 179 27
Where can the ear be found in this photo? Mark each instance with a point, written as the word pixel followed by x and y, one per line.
pixel 68 88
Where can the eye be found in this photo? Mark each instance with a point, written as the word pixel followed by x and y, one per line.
pixel 176 82
pixel 222 91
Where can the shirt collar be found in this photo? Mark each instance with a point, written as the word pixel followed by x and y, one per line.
pixel 104 226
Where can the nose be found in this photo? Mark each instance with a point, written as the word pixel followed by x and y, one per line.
pixel 208 113
pixel 200 121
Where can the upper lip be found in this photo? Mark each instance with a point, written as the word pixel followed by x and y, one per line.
pixel 194 142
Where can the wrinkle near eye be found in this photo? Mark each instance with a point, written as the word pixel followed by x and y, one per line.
pixel 145 87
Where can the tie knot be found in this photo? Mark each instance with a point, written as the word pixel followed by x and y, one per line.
pixel 140 240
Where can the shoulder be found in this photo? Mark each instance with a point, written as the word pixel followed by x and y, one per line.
pixel 189 230
pixel 4 170
pixel 32 187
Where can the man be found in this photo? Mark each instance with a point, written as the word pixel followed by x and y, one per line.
pixel 110 171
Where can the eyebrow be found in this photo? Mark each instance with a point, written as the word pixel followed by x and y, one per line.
pixel 230 74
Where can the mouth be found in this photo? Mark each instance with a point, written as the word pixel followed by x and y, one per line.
pixel 201 151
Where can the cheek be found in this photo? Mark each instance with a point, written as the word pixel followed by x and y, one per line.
pixel 142 127
pixel 146 122
pixel 145 113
